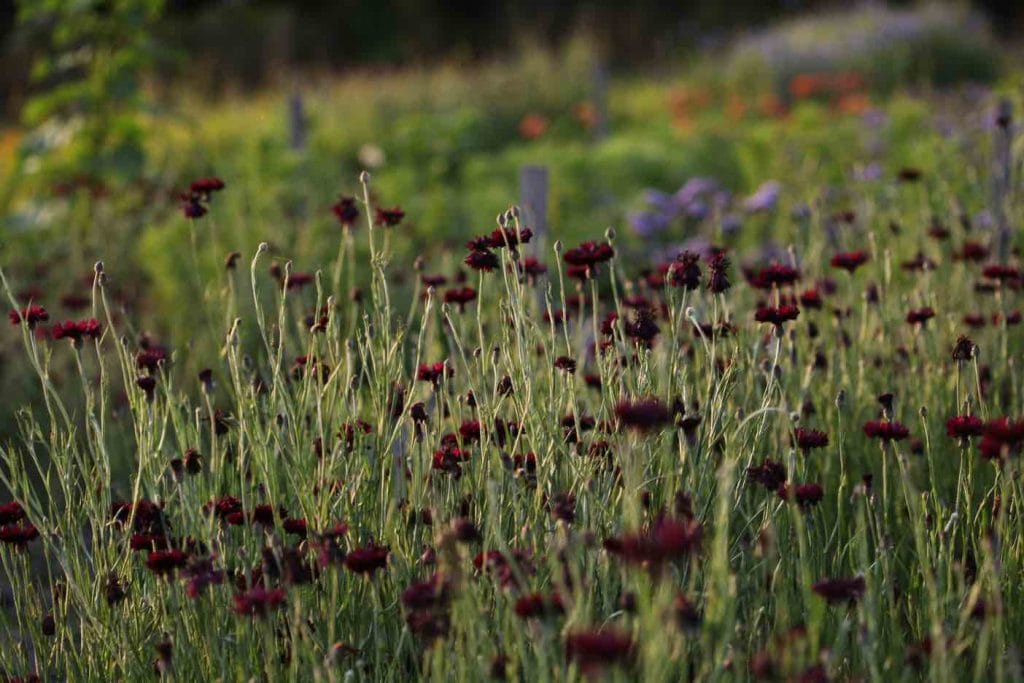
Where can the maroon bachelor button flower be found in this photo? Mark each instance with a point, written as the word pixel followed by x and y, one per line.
pixel 77 331
pixel 1002 437
pixel 259 601
pixel 367 560
pixel 565 364
pixel 346 211
pixel 775 275
pixel 589 254
pixel 776 315
pixel 18 535
pixel 205 187
pixel 537 606
pixel 849 261
pixel 811 298
pixel 593 650
pixel 885 430
pixel 718 274
pixel 1001 272
pixel 806 439
pixel 920 316
pixel 963 349
pixel 30 314
pixel 389 217
pixel 964 426
pixel 840 590
pixel 666 540
pixel 432 594
pixel 434 372
pixel 482 260
pixel 643 414
pixel 191 207
pixel 685 271
pixel 509 237
pixel 805 495
pixel 165 562
pixel 769 474
pixel 460 296
pixel 11 512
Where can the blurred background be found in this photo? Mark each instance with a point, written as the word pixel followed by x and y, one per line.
pixel 109 108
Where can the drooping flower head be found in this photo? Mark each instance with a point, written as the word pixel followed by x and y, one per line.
pixel 850 260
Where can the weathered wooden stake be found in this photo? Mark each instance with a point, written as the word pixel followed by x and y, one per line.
pixel 533 202
pixel 297 122
pixel 1002 176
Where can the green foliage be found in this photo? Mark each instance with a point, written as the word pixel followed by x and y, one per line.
pixel 85 113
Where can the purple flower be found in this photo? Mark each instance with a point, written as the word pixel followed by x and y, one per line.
pixel 765 198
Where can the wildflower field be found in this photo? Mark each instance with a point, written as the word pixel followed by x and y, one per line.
pixel 743 405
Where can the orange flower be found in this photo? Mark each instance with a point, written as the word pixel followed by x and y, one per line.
pixel 532 126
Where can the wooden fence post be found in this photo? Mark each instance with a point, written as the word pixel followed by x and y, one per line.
pixel 1002 176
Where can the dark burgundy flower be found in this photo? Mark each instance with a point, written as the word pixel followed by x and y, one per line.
pixel 1001 437
pixel 11 512
pixel 295 526
pixel 774 275
pixel 594 650
pixel 346 211
pixel 469 431
pixel 259 601
pixel 18 535
pixel 434 372
pixel 150 359
pixel 531 268
pixel 192 207
pixel 769 474
pixel 506 569
pixel 77 331
pixel 449 459
pixel 589 254
pixel 642 329
pixel 482 259
pixel 148 385
pixel 563 507
pixel 805 495
pixel 166 562
pixel 666 540
pixel 850 260
pixel 963 349
pixel 388 217
pixel 885 430
pixel 433 594
pixel 1001 272
pixel 776 315
pixel 718 274
pixel 201 573
pixel 973 251
pixel 806 439
pixel 367 560
pixel 460 296
pixel 685 271
pixel 811 298
pixel 840 590
pixel 32 315
pixel 113 590
pixel 909 175
pixel 643 414
pixel 565 364
pixel 224 506
pixel 206 186
pixel 509 237
pixel 964 426
pixel 538 606
pixel 920 316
